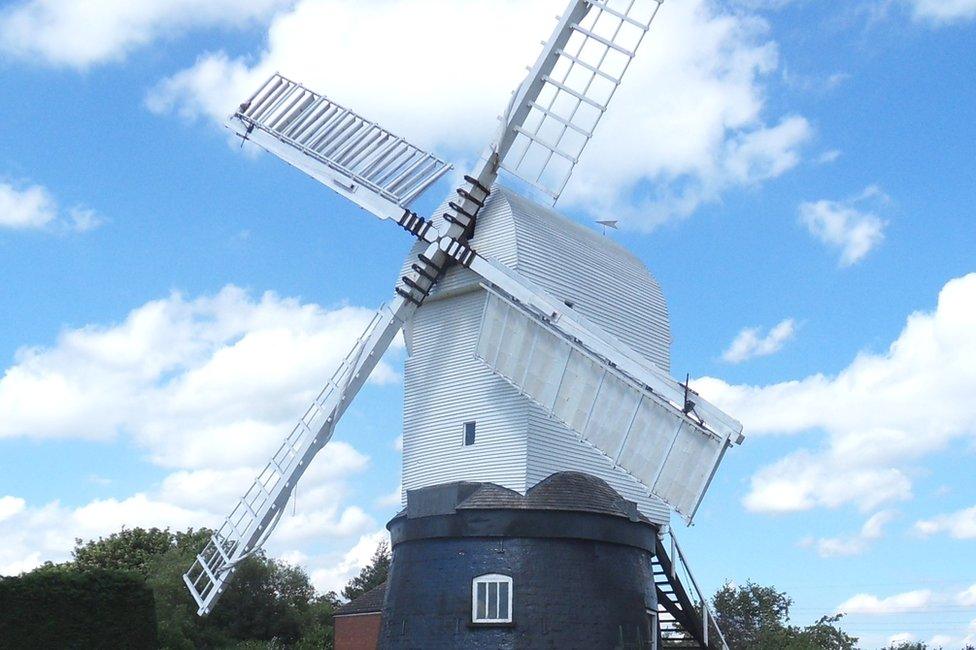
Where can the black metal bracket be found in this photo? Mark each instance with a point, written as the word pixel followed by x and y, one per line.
pixel 457 222
pixel 414 224
pixel 410 282
pixel 406 295
pixel 477 183
pixel 421 271
pixel 429 262
pixel 466 195
pixel 457 208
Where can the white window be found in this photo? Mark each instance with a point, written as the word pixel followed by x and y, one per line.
pixel 652 617
pixel 491 599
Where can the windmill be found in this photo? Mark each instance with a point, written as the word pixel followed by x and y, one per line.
pixel 614 409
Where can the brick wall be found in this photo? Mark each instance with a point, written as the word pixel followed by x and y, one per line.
pixel 357 631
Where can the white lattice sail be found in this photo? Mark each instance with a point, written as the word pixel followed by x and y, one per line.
pixel 354 156
pixel 558 108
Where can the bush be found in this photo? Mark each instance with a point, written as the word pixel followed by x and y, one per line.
pixel 60 607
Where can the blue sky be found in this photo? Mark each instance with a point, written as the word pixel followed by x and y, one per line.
pixel 799 177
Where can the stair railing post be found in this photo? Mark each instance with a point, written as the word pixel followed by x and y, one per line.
pixel 705 622
pixel 674 563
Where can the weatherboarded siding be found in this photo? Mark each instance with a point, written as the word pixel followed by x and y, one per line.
pixel 445 386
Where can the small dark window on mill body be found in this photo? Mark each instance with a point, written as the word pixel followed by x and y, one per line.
pixel 469 433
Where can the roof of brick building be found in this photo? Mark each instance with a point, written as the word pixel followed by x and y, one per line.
pixel 369 603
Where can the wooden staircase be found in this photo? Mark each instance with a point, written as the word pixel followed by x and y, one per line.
pixel 684 617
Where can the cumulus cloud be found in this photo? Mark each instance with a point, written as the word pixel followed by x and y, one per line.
pixel 959 525
pixel 868 604
pixel 751 342
pixel 32 207
pixel 943 12
pixel 967 598
pixel 871 531
pixel 337 569
pixel 82 34
pixel 176 374
pixel 10 506
pixel 34 534
pixel 902 638
pixel 846 225
pixel 207 387
pixel 877 413
pixel 693 104
pixel 913 602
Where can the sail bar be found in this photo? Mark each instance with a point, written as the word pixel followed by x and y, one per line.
pixel 557 108
pixel 672 454
pixel 357 158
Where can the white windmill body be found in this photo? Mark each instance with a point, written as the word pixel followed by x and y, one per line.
pixel 539 417
pixel 516 443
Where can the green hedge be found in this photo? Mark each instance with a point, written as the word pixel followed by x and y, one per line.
pixel 63 608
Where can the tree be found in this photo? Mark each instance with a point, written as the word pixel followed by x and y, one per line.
pixel 373 574
pixel 754 617
pixel 748 615
pixel 266 600
pixel 267 604
pixel 130 550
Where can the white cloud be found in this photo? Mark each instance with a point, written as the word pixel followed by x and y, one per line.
pixel 337 569
pixel 33 534
pixel 10 506
pixel 692 106
pixel 82 34
pixel 394 498
pixel 900 638
pixel 199 383
pixel 868 604
pixel 960 525
pixel 829 156
pixel 845 226
pixel 32 207
pixel 871 531
pixel 207 387
pixel 751 343
pixel 942 12
pixel 967 598
pixel 803 481
pixel 880 414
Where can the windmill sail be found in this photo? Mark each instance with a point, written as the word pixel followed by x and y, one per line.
pixel 258 511
pixel 359 159
pixel 673 454
pixel 556 110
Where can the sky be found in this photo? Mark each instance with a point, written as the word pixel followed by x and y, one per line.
pixel 800 177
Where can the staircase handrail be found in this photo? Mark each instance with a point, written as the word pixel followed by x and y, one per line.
pixel 678 557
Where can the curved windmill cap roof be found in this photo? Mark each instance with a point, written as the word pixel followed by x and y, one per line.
pixel 571 491
pixel 596 276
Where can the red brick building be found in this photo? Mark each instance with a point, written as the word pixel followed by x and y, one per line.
pixel 357 623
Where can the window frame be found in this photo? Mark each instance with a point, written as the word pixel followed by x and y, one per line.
pixel 489 579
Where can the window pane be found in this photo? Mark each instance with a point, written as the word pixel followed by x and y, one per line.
pixel 482 612
pixel 493 600
pixel 503 601
pixel 469 430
